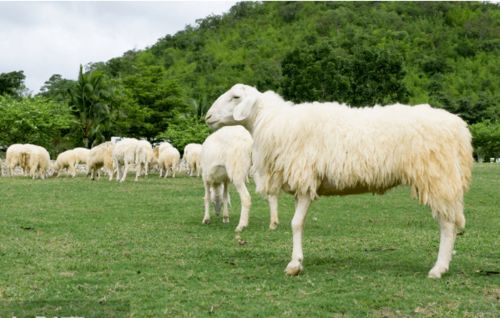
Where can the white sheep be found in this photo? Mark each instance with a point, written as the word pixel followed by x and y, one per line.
pixel 315 149
pixel 144 155
pixel 39 161
pixel 99 157
pixel 192 153
pixel 69 159
pixel 17 155
pixel 168 160
pixel 226 157
pixel 130 151
pixel 81 155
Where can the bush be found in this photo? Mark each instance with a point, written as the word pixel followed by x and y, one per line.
pixel 34 120
pixel 486 140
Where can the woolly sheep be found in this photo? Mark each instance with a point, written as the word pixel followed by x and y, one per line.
pixel 99 157
pixel 168 160
pixel 315 149
pixel 130 151
pixel 145 155
pixel 226 157
pixel 17 155
pixel 191 156
pixel 69 159
pixel 39 161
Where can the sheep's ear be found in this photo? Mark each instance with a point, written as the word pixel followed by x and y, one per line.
pixel 243 109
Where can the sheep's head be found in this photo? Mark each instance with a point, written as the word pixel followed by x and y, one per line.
pixel 232 107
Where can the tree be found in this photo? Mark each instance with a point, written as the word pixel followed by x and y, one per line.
pixel 359 76
pixel 34 120
pixel 159 98
pixel 12 84
pixel 57 88
pixel 89 102
pixel 486 139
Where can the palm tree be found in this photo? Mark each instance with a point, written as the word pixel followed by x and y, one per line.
pixel 89 102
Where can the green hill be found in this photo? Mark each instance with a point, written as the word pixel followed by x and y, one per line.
pixel 446 54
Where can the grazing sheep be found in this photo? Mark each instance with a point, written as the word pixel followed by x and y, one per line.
pixel 39 161
pixel 130 151
pixel 69 159
pixel 144 155
pixel 65 160
pixel 17 155
pixel 168 160
pixel 226 157
pixel 99 157
pixel 81 155
pixel 192 153
pixel 315 149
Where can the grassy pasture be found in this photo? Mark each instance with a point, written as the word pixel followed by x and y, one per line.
pixel 105 249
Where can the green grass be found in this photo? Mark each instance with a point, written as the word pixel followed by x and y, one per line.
pixel 141 247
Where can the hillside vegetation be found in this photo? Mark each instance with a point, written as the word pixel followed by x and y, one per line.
pixel 442 53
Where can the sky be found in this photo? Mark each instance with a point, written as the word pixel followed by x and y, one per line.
pixel 46 38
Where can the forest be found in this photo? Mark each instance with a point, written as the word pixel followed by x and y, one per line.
pixel 446 54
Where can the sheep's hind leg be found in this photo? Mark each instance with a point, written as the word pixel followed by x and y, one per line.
pixel 447 240
pixel 206 217
pixel 246 202
pixel 302 203
pixel 273 210
pixel 125 171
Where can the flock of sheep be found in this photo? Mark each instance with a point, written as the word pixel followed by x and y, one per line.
pixel 113 159
pixel 307 150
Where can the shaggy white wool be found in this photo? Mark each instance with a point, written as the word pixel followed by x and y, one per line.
pixel 314 149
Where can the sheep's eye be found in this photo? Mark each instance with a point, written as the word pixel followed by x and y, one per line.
pixel 236 97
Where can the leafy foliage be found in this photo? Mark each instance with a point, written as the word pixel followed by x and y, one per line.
pixel 362 76
pixel 34 120
pixel 12 84
pixel 486 139
pixel 89 104
pixel 185 130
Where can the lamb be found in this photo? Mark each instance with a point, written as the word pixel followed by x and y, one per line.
pixel 191 156
pixel 99 157
pixel 39 161
pixel 69 159
pixel 17 155
pixel 315 149
pixel 168 160
pixel 226 157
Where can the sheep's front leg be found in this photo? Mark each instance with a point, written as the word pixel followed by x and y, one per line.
pixel 447 240
pixel 273 210
pixel 138 170
pixel 246 202
pixel 301 205
pixel 206 217
pixel 225 201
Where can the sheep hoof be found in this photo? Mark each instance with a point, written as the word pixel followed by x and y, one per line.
pixel 294 268
pixel 225 219
pixel 437 271
pixel 273 226
pixel 206 221
pixel 240 228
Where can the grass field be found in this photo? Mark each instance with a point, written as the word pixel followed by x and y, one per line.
pixel 103 249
